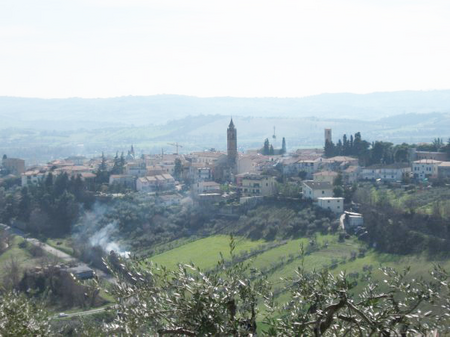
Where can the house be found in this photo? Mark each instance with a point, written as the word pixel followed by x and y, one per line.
pixel 392 172
pixel 314 189
pixel 160 182
pixel 338 163
pixel 351 174
pixel 444 170
pixel 199 172
pixel 293 166
pixel 137 169
pixel 353 220
pixel 425 169
pixel 207 157
pixel 419 155
pixel 33 177
pixel 81 272
pixel 170 199
pixel 77 160
pixel 73 170
pixel 206 187
pixel 329 176
pixel 258 185
pixel 336 205
pixel 123 179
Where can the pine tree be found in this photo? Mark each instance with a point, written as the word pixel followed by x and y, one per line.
pixel 283 146
pixel 329 149
pixel 266 148
pixel 271 150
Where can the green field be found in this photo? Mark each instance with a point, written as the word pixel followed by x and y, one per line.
pixel 23 257
pixel 282 261
pixel 204 253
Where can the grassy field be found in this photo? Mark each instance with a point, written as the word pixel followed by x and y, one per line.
pixel 63 244
pixel 204 253
pixel 282 261
pixel 22 255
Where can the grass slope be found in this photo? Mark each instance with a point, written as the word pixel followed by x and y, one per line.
pixel 204 253
pixel 281 262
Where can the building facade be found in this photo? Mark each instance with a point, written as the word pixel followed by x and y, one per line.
pixel 336 205
pixel 314 190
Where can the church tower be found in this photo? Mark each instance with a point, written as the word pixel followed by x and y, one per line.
pixel 231 143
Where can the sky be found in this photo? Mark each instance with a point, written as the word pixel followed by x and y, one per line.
pixel 245 48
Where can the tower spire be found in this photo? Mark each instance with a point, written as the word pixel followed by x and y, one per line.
pixel 231 126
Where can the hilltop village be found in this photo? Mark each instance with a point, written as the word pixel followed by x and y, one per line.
pixel 351 206
pixel 212 176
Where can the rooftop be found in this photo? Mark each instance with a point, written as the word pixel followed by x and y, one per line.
pixel 316 185
pixel 427 161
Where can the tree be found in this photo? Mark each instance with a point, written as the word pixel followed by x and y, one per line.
pixel 12 273
pixel 339 148
pixel 20 316
pixel 187 301
pixel 438 143
pixel 224 302
pixel 345 145
pixel 338 191
pixel 329 149
pixel 102 172
pixel 266 147
pixel 178 169
pixel 271 150
pixel 283 146
pixel 322 305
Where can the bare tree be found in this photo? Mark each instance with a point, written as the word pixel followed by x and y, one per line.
pixel 13 272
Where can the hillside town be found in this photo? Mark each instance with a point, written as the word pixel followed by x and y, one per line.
pixel 211 177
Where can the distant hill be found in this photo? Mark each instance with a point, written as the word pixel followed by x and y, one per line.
pixel 77 113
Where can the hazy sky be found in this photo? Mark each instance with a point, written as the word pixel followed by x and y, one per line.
pixel 105 48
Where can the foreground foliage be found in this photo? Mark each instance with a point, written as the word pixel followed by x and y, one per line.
pixel 21 317
pixel 236 300
pixel 192 302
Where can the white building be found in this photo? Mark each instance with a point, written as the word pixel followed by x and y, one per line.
pixel 206 187
pixel 393 172
pixel 425 168
pixel 199 172
pixel 161 182
pixel 293 166
pixel 314 190
pixel 351 174
pixel 336 205
pixel 170 199
pixel 32 177
pixel 136 169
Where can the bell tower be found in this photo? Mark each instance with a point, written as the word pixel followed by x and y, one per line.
pixel 231 143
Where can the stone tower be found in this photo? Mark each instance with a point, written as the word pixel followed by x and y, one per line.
pixel 231 143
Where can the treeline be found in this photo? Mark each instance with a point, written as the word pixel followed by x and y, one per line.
pixel 394 231
pixel 378 152
pixel 269 150
pixel 47 208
